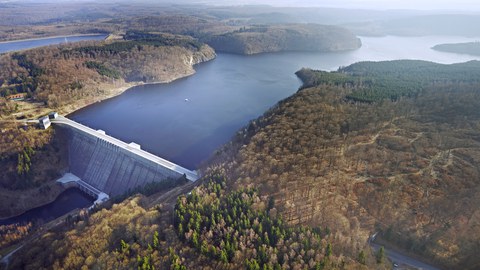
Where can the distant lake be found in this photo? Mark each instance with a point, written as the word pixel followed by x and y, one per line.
pixel 185 121
pixel 33 43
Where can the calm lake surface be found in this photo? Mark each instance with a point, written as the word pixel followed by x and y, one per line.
pixel 67 201
pixel 33 43
pixel 226 93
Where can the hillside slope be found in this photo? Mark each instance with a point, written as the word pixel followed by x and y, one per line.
pixel 213 228
pixel 293 37
pixel 472 48
pixel 359 151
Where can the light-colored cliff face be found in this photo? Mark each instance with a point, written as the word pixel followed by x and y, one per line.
pixel 165 64
pixel 204 54
pixel 296 37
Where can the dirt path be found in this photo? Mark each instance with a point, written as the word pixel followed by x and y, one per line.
pixel 169 198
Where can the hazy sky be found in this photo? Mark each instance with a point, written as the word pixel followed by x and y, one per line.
pixel 367 4
pixel 464 5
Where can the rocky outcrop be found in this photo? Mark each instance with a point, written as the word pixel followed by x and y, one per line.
pixel 204 54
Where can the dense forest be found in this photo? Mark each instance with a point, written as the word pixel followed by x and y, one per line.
pixel 407 166
pixel 242 229
pixel 59 75
pixel 375 81
pixel 212 228
pixel 292 37
pixel 472 48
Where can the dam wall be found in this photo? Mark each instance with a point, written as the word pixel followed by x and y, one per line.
pixel 111 168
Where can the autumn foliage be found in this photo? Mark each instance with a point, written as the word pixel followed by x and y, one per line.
pixel 406 166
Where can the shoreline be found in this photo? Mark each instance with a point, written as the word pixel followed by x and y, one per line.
pixel 58 36
pixel 114 92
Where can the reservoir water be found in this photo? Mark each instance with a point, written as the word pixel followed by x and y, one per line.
pixel 185 121
pixel 33 43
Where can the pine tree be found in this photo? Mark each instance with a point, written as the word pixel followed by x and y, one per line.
pixel 328 251
pixel 155 240
pixel 223 256
pixel 124 247
pixel 204 248
pixel 362 258
pixel 380 255
pixel 195 239
pixel 252 264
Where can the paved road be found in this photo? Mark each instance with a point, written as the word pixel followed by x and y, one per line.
pixel 6 260
pixel 191 175
pixel 403 260
pixel 38 232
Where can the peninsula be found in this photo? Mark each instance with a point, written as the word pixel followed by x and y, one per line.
pixel 472 48
pixel 292 37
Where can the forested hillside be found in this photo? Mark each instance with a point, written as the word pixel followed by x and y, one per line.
pixel 212 228
pixel 406 165
pixel 293 37
pixel 472 48
pixel 376 81
pixel 62 75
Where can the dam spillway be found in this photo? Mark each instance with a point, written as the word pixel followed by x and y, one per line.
pixel 113 166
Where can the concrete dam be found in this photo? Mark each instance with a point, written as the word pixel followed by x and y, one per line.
pixel 113 166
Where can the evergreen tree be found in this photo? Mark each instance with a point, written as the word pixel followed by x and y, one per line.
pixel 328 251
pixel 155 240
pixel 223 256
pixel 380 255
pixel 362 258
